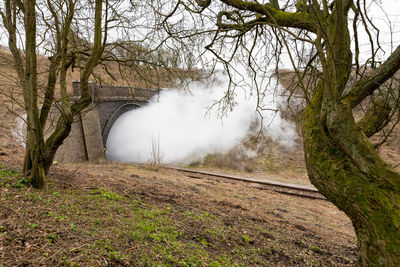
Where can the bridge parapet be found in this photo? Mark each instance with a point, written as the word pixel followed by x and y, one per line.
pixel 108 92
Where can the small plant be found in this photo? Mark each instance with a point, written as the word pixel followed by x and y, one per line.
pixel 222 261
pixel 36 197
pixel 114 256
pixel 51 238
pixel 8 175
pixel 109 195
pixel 5 172
pixel 106 245
pixel 32 225
pixel 155 153
pixel 315 249
pixel 247 239
pixel 21 183
pixel 206 243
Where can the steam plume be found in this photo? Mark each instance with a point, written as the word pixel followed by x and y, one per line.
pixel 184 131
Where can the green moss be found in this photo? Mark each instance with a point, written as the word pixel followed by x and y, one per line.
pixel 365 196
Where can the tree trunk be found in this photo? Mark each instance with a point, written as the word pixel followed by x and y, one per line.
pixel 344 166
pixel 34 164
pixel 34 167
pixel 52 144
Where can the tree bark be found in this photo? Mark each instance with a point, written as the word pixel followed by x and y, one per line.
pixel 33 162
pixel 360 184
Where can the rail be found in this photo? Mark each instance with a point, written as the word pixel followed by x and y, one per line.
pixel 285 188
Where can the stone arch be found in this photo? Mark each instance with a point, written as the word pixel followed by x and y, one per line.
pixel 90 130
pixel 110 120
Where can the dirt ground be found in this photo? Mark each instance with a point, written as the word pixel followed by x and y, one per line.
pixel 314 230
pixel 291 218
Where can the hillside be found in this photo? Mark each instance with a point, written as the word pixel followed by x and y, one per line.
pixel 114 214
pixel 120 215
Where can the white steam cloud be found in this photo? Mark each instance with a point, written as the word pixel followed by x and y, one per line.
pixel 178 125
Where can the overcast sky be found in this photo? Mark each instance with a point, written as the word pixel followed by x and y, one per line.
pixel 389 25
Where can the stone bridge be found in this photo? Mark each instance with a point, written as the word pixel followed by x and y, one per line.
pixel 90 129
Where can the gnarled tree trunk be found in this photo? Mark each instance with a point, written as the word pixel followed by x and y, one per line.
pixel 345 167
pixel 341 161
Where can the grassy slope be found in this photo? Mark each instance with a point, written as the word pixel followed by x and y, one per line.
pixel 69 226
pixel 84 224
pixel 90 224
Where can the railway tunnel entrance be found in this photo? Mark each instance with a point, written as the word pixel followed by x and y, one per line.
pixel 107 123
pixel 90 130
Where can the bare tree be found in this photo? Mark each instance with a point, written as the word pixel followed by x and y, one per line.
pixel 24 14
pixel 335 83
pixel 98 39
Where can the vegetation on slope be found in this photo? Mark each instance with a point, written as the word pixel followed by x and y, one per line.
pixel 66 224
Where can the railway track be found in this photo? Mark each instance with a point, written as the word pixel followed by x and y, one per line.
pixel 285 188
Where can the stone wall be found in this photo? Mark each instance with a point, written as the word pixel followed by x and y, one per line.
pixel 90 129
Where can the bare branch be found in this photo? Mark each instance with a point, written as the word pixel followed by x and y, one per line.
pixel 366 86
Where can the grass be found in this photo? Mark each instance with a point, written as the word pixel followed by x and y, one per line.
pixel 67 226
pixel 81 224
